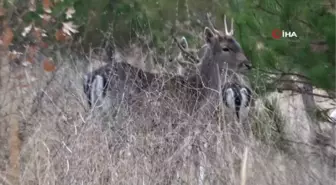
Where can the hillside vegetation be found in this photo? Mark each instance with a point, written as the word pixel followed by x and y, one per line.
pixel 48 135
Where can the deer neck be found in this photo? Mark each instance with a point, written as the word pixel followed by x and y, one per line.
pixel 209 70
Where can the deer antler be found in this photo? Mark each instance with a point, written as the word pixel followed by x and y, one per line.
pixel 226 27
pixel 189 55
pixel 211 25
pixel 185 42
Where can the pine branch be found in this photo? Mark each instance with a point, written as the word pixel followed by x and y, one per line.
pixel 278 3
pixel 332 3
pixel 281 73
pixel 301 91
pixel 275 14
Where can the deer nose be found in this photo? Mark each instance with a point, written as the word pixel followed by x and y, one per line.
pixel 249 66
pixel 245 65
pixel 244 61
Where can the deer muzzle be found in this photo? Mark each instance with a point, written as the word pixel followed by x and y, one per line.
pixel 247 65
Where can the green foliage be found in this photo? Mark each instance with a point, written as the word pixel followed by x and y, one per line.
pixel 254 21
pixel 310 20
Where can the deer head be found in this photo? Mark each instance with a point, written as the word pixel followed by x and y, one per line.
pixel 228 50
pixel 221 52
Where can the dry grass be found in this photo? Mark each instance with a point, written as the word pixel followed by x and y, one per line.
pixel 62 143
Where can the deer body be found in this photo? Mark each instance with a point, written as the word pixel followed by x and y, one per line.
pixel 197 92
pixel 120 80
pixel 220 52
pixel 125 76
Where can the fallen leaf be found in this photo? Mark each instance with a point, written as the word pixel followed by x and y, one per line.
pixel 26 63
pixel 2 11
pixel 60 35
pixel 69 13
pixel 32 5
pixel 47 4
pixel 48 65
pixel 26 30
pixel 14 55
pixel 69 27
pixel 45 18
pixel 37 34
pixel 44 33
pixel 7 36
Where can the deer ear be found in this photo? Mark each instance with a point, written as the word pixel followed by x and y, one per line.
pixel 184 43
pixel 208 34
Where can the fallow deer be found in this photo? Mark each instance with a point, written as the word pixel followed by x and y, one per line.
pixel 234 95
pixel 222 52
pixel 121 80
pixel 230 43
pixel 97 83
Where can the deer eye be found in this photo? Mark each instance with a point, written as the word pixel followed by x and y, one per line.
pixel 225 49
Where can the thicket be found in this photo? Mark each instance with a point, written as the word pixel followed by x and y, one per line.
pixel 81 24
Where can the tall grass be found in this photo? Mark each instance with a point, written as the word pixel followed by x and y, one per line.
pixel 65 143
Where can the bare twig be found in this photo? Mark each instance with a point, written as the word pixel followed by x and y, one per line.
pixel 301 91
pixel 243 167
pixel 292 81
pixel 281 73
